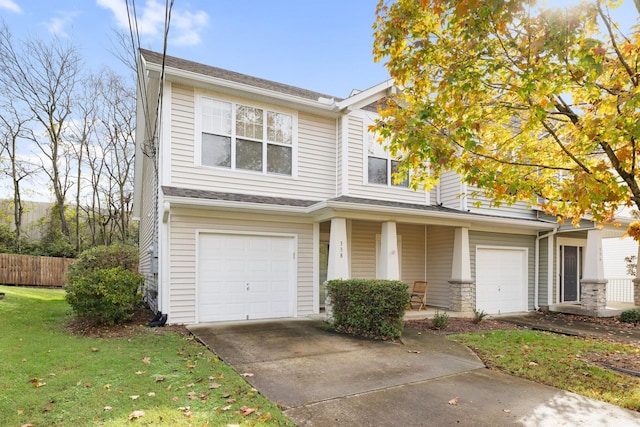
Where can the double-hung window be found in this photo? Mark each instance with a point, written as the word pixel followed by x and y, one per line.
pixel 381 166
pixel 244 137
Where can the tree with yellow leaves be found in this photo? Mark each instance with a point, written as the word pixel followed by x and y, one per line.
pixel 525 103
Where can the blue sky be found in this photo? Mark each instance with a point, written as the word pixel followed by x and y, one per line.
pixel 321 45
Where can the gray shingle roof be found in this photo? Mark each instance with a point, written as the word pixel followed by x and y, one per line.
pixel 207 70
pixel 235 197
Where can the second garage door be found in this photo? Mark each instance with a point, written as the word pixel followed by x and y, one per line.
pixel 242 277
pixel 501 280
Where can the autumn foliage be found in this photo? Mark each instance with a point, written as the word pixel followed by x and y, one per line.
pixel 525 103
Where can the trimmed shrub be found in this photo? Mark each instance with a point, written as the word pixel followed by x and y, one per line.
pixel 105 296
pixel 368 308
pixel 104 257
pixel 630 316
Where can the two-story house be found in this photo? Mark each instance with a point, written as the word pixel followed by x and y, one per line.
pixel 252 193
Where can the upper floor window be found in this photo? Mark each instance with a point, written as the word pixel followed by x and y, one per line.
pixel 381 166
pixel 238 136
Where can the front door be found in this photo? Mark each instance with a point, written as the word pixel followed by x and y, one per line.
pixel 570 276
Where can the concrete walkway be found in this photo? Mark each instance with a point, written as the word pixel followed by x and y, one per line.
pixel 320 378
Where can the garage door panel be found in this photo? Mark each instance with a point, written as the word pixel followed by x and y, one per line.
pixel 501 280
pixel 245 277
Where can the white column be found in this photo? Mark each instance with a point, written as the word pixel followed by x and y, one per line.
pixel 388 261
pixel 593 264
pixel 461 266
pixel 338 250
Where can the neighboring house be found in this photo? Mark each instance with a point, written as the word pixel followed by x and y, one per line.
pixel 32 216
pixel 252 193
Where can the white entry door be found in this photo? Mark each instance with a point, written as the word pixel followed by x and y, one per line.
pixel 242 277
pixel 501 280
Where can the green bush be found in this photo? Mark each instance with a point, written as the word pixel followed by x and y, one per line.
pixel 104 257
pixel 440 320
pixel 105 296
pixel 630 316
pixel 368 308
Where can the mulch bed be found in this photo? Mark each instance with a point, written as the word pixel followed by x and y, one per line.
pixel 138 324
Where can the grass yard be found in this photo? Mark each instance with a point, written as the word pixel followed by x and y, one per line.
pixel 51 377
pixel 559 361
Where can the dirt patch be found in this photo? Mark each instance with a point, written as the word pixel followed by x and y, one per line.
pixel 137 325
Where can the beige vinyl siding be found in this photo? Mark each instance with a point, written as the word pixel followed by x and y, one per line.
pixel 439 259
pixel 358 186
pixel 363 249
pixel 316 155
pixel 517 210
pixel 413 252
pixel 450 190
pixel 506 240
pixel 182 127
pixel 145 232
pixel 182 243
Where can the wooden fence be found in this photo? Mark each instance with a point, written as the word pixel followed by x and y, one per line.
pixel 33 270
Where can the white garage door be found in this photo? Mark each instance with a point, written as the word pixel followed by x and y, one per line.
pixel 245 277
pixel 501 280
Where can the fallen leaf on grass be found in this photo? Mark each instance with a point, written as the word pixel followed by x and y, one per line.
pixel 20 411
pixel 107 408
pixel 136 414
pixel 159 379
pixel 453 401
pixel 95 349
pixel 214 385
pixel 27 425
pixel 226 408
pixel 140 372
pixel 533 364
pixel 231 400
pixel 247 411
pixel 134 397
pixel 36 382
pixel 151 394
pixel 146 360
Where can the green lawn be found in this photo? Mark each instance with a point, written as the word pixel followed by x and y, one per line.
pixel 559 361
pixel 50 377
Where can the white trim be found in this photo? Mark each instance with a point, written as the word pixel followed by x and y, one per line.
pixel 316 267
pixel 525 269
pixel 344 155
pixel 365 97
pixel 165 139
pixel 293 275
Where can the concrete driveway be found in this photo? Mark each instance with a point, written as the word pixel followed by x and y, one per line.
pixel 321 378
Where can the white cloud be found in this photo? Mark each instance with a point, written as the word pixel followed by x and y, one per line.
pixel 57 25
pixel 10 5
pixel 185 26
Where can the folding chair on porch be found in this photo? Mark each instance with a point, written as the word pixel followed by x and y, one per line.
pixel 419 294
